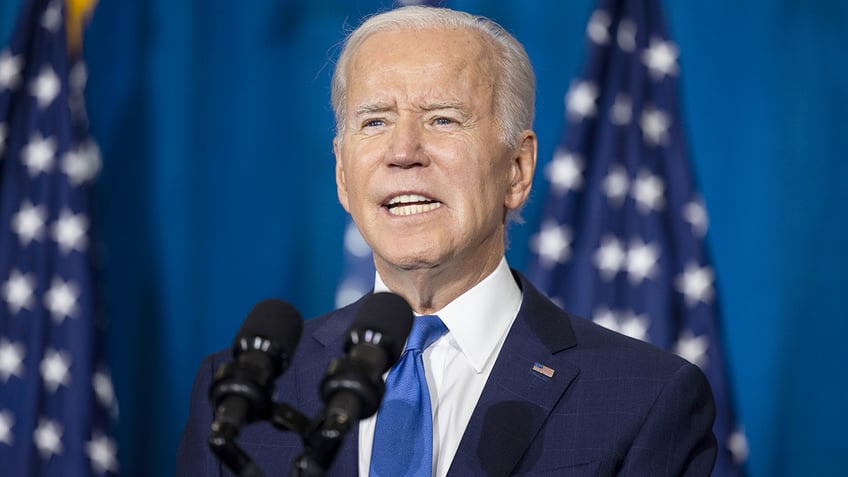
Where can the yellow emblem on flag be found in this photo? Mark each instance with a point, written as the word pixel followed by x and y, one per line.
pixel 76 12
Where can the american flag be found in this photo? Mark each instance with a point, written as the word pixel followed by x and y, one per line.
pixel 358 272
pixel 621 239
pixel 56 397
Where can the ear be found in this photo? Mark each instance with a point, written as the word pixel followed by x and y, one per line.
pixel 522 167
pixel 341 185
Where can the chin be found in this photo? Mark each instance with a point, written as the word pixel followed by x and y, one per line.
pixel 410 261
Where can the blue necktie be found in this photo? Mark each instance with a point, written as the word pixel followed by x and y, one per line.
pixel 403 436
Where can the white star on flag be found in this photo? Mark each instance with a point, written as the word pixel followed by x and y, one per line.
pixel 69 231
pixel 2 139
pixel 52 17
pixel 626 37
pixel 609 258
pixel 648 192
pixel 630 324
pixel 655 125
pixel 606 318
pixel 11 359
pixel 28 222
pixel 552 243
pixel 18 291
pixel 101 451
pixel 77 78
pixel 7 420
pixel 661 58
pixel 358 278
pixel 46 87
pixel 738 445
pixel 598 27
pixel 695 213
pixel 355 248
pixel 54 369
pixel 692 348
pixel 622 110
pixel 61 299
pixel 48 438
pixel 635 326
pixel 580 100
pixel 103 389
pixel 10 70
pixel 565 172
pixel 37 154
pixel 354 242
pixel 696 284
pixel 615 185
pixel 641 261
pixel 82 164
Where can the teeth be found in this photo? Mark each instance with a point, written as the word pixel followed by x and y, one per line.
pixel 409 198
pixel 414 208
pixel 409 204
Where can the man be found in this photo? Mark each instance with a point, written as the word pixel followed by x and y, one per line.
pixel 434 152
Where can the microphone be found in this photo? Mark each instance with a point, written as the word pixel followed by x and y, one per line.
pixel 353 386
pixel 241 390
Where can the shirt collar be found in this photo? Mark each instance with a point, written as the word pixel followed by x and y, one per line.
pixel 479 319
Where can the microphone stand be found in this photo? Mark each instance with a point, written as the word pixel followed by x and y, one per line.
pixel 222 439
pixel 323 440
pixel 351 390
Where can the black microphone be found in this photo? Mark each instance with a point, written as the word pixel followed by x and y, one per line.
pixel 242 389
pixel 353 386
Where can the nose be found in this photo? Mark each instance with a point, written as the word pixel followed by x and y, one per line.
pixel 406 148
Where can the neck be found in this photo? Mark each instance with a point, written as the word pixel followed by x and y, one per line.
pixel 429 289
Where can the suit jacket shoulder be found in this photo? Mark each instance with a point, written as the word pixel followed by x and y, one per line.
pixel 567 396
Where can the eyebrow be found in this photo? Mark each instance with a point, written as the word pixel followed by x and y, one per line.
pixel 367 108
pixel 444 105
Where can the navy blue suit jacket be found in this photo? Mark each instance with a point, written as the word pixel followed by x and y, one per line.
pixel 614 405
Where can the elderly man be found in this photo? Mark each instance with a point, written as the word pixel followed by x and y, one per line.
pixel 434 153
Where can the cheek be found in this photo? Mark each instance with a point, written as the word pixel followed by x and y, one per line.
pixel 355 187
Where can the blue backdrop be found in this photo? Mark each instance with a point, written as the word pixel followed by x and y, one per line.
pixel 217 190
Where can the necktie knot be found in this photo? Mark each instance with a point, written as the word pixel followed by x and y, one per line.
pixel 425 330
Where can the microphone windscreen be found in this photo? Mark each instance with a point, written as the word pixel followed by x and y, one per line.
pixel 389 314
pixel 274 320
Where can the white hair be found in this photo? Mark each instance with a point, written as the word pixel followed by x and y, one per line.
pixel 515 84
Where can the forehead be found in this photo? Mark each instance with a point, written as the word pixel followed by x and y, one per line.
pixel 420 55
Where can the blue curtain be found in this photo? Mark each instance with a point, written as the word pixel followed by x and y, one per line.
pixel 217 190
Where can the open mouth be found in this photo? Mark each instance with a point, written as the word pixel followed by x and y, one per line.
pixel 410 204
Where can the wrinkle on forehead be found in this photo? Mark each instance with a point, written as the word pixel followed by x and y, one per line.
pixel 460 53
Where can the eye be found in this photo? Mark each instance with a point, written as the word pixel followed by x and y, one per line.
pixel 372 123
pixel 443 121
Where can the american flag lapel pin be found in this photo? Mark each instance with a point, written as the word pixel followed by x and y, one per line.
pixel 543 370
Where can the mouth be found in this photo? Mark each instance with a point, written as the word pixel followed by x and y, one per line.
pixel 411 204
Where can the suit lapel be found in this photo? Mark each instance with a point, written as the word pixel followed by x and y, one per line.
pixel 516 401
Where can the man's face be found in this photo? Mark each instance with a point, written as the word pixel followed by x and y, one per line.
pixel 420 163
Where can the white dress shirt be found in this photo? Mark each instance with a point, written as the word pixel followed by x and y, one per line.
pixel 458 364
